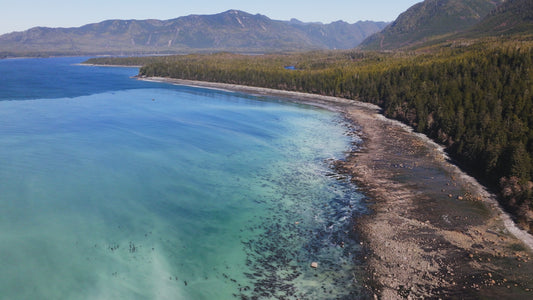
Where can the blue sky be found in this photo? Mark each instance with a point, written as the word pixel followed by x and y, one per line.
pixel 23 14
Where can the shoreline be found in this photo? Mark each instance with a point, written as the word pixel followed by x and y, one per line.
pixel 434 231
pixel 111 66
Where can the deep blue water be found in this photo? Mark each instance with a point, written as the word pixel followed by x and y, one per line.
pixel 113 188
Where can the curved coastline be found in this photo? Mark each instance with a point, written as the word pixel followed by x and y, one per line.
pixel 434 231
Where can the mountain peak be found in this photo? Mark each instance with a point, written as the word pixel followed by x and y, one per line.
pixel 235 12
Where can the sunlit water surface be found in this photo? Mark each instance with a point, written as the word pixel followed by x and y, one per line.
pixel 113 188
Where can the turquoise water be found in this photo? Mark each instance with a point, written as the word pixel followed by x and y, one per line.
pixel 112 188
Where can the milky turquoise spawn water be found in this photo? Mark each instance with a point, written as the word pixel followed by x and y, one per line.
pixel 112 188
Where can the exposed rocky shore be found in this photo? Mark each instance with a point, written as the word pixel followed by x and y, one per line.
pixel 434 232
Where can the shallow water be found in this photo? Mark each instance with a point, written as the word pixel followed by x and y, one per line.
pixel 112 188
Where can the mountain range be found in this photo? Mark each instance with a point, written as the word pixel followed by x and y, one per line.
pixel 425 23
pixel 232 30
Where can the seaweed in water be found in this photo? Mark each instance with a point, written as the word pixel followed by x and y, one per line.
pixel 279 255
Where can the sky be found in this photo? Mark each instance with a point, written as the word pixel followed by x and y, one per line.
pixel 24 14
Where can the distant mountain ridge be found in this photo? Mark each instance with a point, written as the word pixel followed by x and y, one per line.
pixel 430 18
pixel 232 30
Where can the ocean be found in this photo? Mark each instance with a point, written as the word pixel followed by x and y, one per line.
pixel 114 188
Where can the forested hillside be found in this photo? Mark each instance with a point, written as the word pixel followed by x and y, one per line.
pixel 512 17
pixel 477 100
pixel 428 20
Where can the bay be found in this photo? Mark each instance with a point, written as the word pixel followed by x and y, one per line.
pixel 113 188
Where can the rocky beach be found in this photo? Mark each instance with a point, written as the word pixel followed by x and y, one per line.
pixel 433 231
